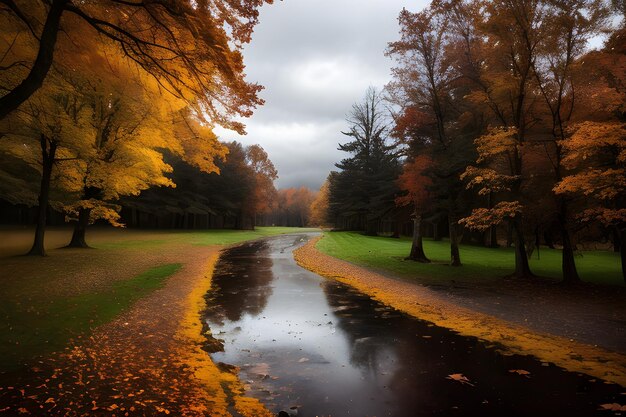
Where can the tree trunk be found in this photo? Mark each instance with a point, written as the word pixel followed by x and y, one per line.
pixel 570 274
pixel 42 64
pixel 80 229
pixel 48 151
pixel 84 213
pixel 455 256
pixel 522 268
pixel 417 247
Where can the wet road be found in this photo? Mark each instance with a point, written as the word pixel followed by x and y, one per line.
pixel 314 347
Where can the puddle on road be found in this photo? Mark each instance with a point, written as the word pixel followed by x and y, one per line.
pixel 314 347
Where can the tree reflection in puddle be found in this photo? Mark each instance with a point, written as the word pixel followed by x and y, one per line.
pixel 240 291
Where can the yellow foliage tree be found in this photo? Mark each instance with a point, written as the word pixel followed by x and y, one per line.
pixel 116 125
pixel 191 47
pixel 596 152
pixel 44 132
pixel 133 125
pixel 319 206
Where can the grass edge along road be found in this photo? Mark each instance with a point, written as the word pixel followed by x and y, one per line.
pixel 55 324
pixel 425 304
pixel 37 321
pixel 480 264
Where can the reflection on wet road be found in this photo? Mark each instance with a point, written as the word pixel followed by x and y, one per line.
pixel 314 347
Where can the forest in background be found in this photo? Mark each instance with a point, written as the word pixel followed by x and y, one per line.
pixel 500 127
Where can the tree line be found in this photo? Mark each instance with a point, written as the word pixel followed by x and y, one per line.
pixel 106 99
pixel 500 120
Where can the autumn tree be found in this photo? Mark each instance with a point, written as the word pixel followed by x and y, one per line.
pixel 43 134
pixel 120 156
pixel 594 145
pixel 490 90
pixel 598 151
pixel 264 174
pixel 291 208
pixel 192 48
pixel 416 183
pixel 128 127
pixel 425 87
pixel 569 26
pixel 319 206
pixel 188 51
pixel 133 124
pixel 509 35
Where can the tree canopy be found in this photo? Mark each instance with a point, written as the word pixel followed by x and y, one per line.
pixel 191 48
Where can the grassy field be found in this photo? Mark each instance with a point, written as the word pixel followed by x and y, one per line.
pixel 479 264
pixel 17 241
pixel 47 301
pixel 38 325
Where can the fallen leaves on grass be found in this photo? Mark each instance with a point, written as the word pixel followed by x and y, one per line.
pixel 149 361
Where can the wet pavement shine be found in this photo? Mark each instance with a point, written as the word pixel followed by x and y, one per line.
pixel 314 347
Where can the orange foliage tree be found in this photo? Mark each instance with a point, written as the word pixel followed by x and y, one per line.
pixel 597 151
pixel 513 81
pixel 594 146
pixel 192 48
pixel 264 173
pixel 429 87
pixel 112 126
pixel 319 206
pixel 416 183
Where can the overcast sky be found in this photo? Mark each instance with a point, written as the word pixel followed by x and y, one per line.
pixel 315 58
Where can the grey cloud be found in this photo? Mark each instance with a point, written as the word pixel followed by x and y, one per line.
pixel 315 59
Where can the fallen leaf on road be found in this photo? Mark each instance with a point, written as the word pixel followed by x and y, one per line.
pixel 520 372
pixel 460 378
pixel 613 407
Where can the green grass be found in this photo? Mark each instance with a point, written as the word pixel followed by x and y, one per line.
pixel 479 264
pixel 35 329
